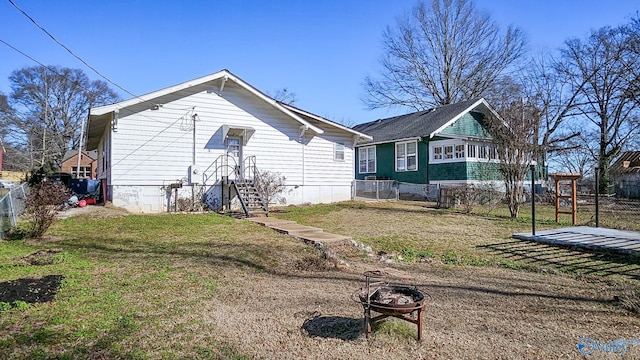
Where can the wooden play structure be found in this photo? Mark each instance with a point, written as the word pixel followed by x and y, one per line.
pixel 558 178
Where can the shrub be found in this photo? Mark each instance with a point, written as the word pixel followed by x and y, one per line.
pixel 43 203
pixel 271 185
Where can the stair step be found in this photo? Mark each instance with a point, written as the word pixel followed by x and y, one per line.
pixel 295 229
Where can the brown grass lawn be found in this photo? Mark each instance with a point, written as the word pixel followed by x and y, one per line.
pixel 207 286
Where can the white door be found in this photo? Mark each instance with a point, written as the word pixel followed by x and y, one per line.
pixel 234 152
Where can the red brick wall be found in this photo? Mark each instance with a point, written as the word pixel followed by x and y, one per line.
pixel 69 164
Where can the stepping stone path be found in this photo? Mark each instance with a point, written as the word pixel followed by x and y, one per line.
pixel 309 234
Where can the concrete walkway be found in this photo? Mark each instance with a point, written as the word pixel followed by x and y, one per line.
pixel 588 237
pixel 309 234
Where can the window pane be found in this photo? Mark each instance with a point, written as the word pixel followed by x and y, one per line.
pixel 400 149
pixel 471 151
pixel 362 165
pixel 459 151
pixel 371 165
pixel 437 153
pixel 411 148
pixel 411 162
pixel 448 152
pixel 400 164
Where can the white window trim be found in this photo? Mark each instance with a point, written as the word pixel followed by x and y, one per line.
pixel 442 144
pixel 375 159
pixel 395 158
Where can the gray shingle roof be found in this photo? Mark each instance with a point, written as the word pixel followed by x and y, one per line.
pixel 93 154
pixel 417 124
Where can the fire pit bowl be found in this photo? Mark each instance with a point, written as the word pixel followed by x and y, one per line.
pixel 393 299
pixel 402 302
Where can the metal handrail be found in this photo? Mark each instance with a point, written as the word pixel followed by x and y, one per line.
pixel 222 166
pixel 220 163
pixel 252 172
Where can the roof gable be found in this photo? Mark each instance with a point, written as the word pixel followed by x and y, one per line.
pixel 427 123
pixel 99 117
pixel 93 154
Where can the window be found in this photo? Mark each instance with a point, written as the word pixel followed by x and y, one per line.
pixel 437 153
pixel 492 153
pixel 233 146
pixel 472 151
pixel 407 156
pixel 484 153
pixel 85 171
pixel 338 152
pixel 367 160
pixel 448 152
pixel 460 151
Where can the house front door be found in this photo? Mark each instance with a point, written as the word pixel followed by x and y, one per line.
pixel 234 152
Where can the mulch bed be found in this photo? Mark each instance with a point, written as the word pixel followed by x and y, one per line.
pixel 31 290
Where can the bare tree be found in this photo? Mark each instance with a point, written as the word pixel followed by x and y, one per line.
pixel 514 138
pixel 577 154
pixel 442 53
pixel 48 105
pixel 284 96
pixel 606 64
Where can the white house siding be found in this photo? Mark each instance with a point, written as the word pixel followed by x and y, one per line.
pixel 153 148
pixel 328 180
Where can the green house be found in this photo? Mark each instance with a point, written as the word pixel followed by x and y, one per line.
pixel 445 145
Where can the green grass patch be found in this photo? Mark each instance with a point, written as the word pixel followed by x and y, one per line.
pixel 124 277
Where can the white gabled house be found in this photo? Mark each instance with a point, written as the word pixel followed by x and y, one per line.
pixel 210 135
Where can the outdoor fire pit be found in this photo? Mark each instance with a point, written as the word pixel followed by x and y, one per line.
pixel 399 301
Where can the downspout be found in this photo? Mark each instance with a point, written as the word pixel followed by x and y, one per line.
pixel 426 165
pixel 303 129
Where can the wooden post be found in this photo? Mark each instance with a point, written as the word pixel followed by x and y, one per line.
pixel 574 198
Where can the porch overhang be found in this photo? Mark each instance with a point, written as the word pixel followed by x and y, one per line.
pixel 245 132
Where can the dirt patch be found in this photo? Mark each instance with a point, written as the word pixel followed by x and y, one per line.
pixel 40 257
pixel 31 290
pixel 93 211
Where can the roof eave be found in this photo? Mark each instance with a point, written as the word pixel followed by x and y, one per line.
pixel 391 141
pixel 330 123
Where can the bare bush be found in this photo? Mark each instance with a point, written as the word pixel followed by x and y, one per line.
pixel 43 203
pixel 271 185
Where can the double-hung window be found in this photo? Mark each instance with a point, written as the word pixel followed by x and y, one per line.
pixel 338 152
pixel 367 160
pixel 407 156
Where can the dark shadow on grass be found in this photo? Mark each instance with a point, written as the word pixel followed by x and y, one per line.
pixel 558 257
pixel 160 251
pixel 334 327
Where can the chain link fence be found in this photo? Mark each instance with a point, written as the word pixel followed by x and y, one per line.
pixel 618 207
pixel 367 190
pixel 12 205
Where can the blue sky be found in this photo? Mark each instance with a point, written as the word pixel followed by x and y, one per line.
pixel 320 50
